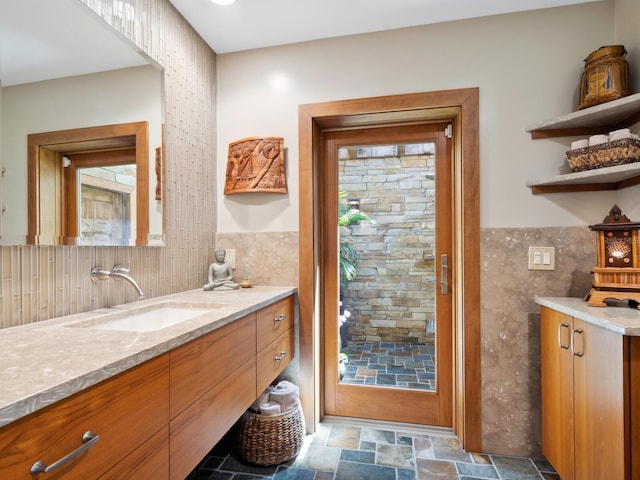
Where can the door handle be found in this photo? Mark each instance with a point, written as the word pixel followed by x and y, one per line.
pixel 444 274
pixel 560 327
pixel 88 439
pixel 573 345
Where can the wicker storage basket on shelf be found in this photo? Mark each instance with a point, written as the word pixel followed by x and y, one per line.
pixel 270 439
pixel 608 154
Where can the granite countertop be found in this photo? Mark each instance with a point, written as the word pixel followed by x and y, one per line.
pixel 47 361
pixel 623 320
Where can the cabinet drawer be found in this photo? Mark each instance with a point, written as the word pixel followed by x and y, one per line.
pixel 274 320
pixel 124 411
pixel 198 366
pixel 196 430
pixel 148 461
pixel 272 359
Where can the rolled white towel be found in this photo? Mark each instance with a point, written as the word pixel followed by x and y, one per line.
pixel 598 139
pixel 584 143
pixel 619 136
pixel 270 408
pixel 263 398
pixel 622 131
pixel 286 394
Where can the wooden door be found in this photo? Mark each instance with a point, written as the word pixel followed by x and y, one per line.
pixel 390 403
pixel 600 387
pixel 557 391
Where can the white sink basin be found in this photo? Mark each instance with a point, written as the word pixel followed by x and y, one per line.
pixel 149 320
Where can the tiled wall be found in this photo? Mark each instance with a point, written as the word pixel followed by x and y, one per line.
pixel 272 257
pixel 510 326
pixel 509 317
pixel 37 283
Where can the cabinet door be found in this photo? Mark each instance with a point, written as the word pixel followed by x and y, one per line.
pixel 148 461
pixel 557 391
pixel 274 320
pixel 599 375
pixel 198 428
pixel 203 363
pixel 273 359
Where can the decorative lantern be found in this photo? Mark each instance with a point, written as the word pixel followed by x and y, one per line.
pixel 617 273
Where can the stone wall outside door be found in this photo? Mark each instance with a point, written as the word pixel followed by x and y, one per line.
pixel 392 297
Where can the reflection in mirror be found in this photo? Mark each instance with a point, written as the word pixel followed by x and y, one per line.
pixel 66 92
pixel 89 186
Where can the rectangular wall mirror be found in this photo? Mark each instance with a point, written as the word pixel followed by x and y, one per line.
pixel 65 77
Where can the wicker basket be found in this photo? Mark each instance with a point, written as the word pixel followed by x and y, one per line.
pixel 608 154
pixel 270 439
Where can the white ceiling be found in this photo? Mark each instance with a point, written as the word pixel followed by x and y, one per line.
pixel 45 39
pixel 249 24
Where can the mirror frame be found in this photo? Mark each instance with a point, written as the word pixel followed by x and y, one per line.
pixel 39 191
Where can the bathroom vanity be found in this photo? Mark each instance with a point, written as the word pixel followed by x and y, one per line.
pixel 127 400
pixel 590 362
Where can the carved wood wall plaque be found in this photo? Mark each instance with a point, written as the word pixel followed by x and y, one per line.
pixel 256 164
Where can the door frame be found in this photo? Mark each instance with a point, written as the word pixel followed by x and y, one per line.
pixel 45 182
pixel 461 108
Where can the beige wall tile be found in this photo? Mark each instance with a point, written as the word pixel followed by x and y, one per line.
pixel 510 326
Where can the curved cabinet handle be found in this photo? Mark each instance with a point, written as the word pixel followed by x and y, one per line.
pixel 560 327
pixel 281 357
pixel 88 439
pixel 280 318
pixel 573 345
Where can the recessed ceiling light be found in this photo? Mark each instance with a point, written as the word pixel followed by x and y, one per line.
pixel 223 2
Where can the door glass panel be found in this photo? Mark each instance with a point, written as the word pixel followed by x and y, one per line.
pixel 387 229
pixel 107 204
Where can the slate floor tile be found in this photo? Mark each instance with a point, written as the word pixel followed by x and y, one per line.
pixel 360 471
pixel 360 452
pixel 395 456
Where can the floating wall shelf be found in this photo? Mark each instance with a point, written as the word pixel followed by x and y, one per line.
pixel 620 113
pixel 603 118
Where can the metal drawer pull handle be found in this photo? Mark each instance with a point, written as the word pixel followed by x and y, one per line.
pixel 281 318
pixel 573 350
pixel 88 439
pixel 281 357
pixel 560 326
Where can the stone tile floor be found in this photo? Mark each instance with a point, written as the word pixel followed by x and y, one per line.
pixel 354 450
pixel 407 365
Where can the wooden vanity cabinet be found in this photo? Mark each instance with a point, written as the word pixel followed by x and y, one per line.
pixel 276 341
pixel 590 399
pixel 148 461
pixel 216 378
pixel 196 430
pixel 199 365
pixel 274 320
pixel 213 381
pixel 124 411
pixel 159 419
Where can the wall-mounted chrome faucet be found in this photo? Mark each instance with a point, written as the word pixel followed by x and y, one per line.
pixel 99 273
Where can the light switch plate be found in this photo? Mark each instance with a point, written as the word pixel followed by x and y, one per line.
pixel 542 258
pixel 230 257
